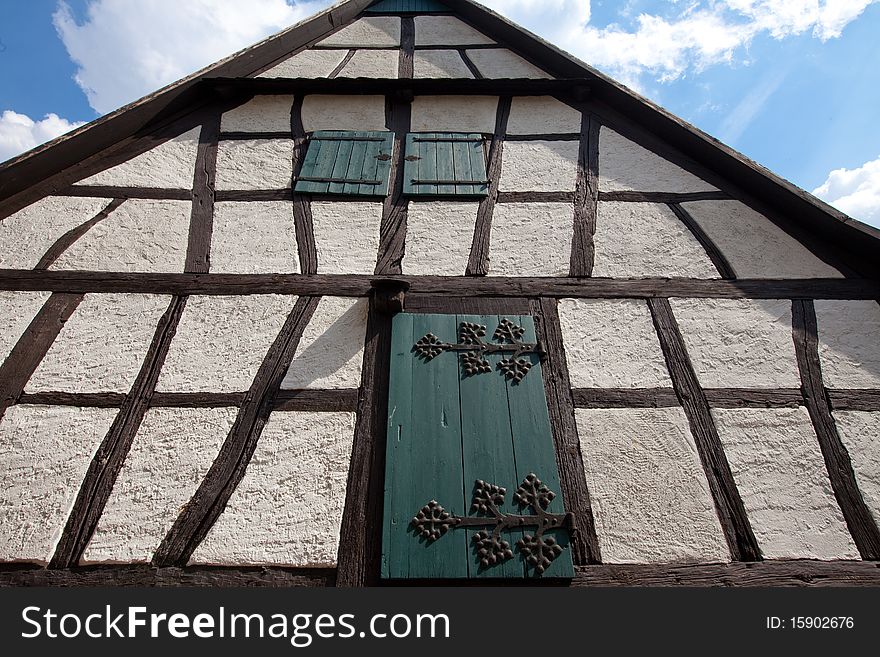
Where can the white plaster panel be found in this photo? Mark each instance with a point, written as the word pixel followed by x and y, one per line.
pixel 288 508
pixel 102 346
pixel 611 343
pixel 326 112
pixel 254 238
pixel 346 236
pixel 255 164
pixel 646 239
pixel 535 115
pixel 650 496
pixel 849 343
pixel 753 245
pixel 439 235
pixel 624 165
pixel 496 63
pixel 140 235
pixel 260 114
pixel 307 64
pixel 439 64
pixel 447 31
pixel 221 342
pixel 739 343
pixel 45 452
pixel 860 433
pixel 17 310
pixel 26 235
pixel 330 353
pixel 454 114
pixel 780 473
pixel 539 166
pixel 369 31
pixel 169 457
pixel 372 64
pixel 171 164
pixel 531 239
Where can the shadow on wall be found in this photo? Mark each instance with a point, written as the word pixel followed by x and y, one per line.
pixel 329 355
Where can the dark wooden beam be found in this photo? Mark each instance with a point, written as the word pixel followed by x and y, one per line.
pixel 317 400
pixel 854 400
pixel 358 285
pixel 67 240
pixel 715 255
pixel 32 346
pixel 550 136
pixel 228 469
pixel 537 197
pixel 569 459
pixel 462 52
pixel 859 519
pixel 149 193
pixel 255 194
pixel 586 199
pixel 108 460
pixel 360 534
pixel 142 575
pixel 250 136
pixel 302 203
pixel 407 47
pixel 624 397
pixel 467 305
pixel 201 227
pixel 728 503
pixel 345 60
pixel 80 399
pixel 392 230
pixel 755 398
pixel 662 197
pixel 478 261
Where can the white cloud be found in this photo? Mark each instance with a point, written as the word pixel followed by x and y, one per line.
pixel 735 123
pixel 19 133
pixel 126 49
pixel 854 191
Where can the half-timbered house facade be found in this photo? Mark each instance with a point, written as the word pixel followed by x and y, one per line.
pixel 405 293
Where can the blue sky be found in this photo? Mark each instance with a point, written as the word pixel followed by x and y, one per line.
pixel 792 84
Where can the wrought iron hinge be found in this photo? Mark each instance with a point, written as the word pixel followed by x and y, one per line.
pixel 433 521
pixel 508 340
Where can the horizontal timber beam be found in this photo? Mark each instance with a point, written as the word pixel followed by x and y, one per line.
pixel 359 285
pixel 716 397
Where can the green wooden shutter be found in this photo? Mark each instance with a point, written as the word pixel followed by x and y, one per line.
pixel 406 7
pixel 445 164
pixel 448 429
pixel 349 163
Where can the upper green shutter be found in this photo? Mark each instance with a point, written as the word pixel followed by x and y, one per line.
pixel 445 164
pixel 406 7
pixel 350 163
pixel 448 429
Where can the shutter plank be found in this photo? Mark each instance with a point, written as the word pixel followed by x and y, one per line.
pixel 533 441
pixel 478 167
pixel 410 166
pixel 325 161
pixel 341 165
pixel 445 165
pixel 487 452
pixel 383 164
pixel 427 166
pixel 357 165
pixel 308 167
pixel 461 167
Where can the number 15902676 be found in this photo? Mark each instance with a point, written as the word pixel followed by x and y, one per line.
pixel 810 623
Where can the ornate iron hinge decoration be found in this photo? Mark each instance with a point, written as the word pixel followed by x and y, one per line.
pixel 508 340
pixel 433 521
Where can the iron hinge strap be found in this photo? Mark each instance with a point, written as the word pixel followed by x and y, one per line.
pixel 351 181
pixel 450 182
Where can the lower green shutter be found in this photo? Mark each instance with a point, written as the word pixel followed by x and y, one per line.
pixel 454 418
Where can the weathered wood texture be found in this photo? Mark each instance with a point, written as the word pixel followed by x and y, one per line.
pixel 67 240
pixel 250 136
pixel 302 204
pixel 145 575
pixel 360 546
pixel 392 230
pixel 32 346
pixel 201 227
pixel 586 199
pixel 478 262
pixel 728 503
pixel 420 303
pixel 854 400
pixel 317 400
pixel 662 197
pixel 495 286
pixel 462 52
pixel 557 384
pixel 341 65
pixel 407 47
pixel 228 469
pixel 108 460
pixel 666 397
pixel 859 519
pixel 715 255
pixel 108 191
